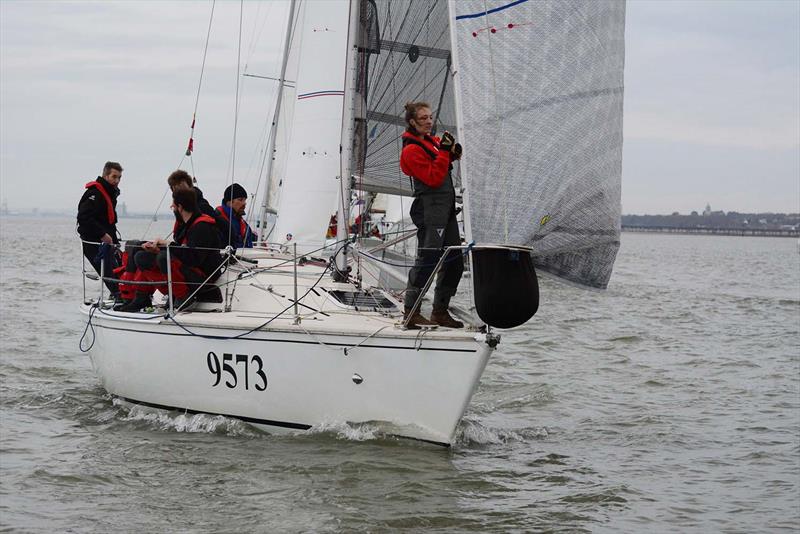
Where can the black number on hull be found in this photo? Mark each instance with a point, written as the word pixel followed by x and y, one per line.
pixel 212 360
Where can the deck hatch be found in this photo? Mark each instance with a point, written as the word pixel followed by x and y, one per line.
pixel 362 300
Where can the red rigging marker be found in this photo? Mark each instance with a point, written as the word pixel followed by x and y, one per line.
pixel 190 148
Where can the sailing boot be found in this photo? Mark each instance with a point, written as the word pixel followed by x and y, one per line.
pixel 441 303
pixel 142 300
pixel 417 320
pixel 443 318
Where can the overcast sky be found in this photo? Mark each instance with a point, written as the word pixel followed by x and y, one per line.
pixel 712 100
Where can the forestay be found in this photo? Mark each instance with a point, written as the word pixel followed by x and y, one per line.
pixel 541 87
pixel 404 56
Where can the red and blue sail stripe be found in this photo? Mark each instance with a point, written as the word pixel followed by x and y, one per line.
pixel 320 93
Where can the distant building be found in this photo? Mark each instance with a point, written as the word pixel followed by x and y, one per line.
pixel 707 211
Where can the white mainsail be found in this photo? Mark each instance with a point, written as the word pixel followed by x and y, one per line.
pixel 308 189
pixel 540 89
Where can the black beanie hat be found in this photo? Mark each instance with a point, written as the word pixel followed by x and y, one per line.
pixel 233 191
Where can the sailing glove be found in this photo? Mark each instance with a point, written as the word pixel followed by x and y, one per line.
pixel 456 151
pixel 447 142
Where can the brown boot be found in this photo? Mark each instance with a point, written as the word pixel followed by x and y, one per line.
pixel 417 320
pixel 443 318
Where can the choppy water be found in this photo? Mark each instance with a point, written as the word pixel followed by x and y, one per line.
pixel 670 402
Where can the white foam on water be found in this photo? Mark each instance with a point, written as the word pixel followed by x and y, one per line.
pixel 184 422
pixel 347 431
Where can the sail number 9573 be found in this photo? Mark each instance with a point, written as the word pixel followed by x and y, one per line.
pixel 249 366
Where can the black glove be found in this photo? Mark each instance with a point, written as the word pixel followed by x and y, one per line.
pixel 457 151
pixel 447 142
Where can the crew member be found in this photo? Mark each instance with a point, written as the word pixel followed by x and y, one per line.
pixel 428 161
pixel 181 179
pixel 97 221
pixel 194 256
pixel 231 217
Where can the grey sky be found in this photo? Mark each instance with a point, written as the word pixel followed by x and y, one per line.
pixel 712 101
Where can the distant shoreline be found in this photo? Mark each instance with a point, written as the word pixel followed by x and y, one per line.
pixel 752 232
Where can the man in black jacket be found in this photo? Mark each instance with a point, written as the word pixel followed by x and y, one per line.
pixel 97 221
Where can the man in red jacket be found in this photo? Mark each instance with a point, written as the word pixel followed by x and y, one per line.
pixel 427 160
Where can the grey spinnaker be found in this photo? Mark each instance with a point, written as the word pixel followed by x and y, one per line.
pixel 541 92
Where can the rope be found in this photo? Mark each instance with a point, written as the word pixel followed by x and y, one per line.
pixel 85 330
pixel 190 146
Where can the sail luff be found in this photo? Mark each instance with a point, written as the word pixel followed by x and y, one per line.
pixel 347 137
pixel 265 208
pixel 459 114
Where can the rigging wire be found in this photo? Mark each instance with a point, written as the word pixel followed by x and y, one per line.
pixel 229 294
pixel 190 147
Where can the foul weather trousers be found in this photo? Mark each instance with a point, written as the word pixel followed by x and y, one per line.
pixel 437 228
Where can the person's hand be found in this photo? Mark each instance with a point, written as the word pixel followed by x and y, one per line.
pixel 447 141
pixel 457 151
pixel 150 246
pixel 107 239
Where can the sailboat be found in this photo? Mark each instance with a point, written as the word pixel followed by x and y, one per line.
pixel 533 91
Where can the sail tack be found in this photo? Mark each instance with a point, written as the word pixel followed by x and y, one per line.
pixel 541 92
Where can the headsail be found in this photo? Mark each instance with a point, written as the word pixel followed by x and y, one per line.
pixel 541 87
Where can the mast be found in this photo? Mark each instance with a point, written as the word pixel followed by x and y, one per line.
pixel 459 118
pixel 262 219
pixel 346 147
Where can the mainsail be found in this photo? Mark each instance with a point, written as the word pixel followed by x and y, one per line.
pixel 404 57
pixel 540 87
pixel 308 185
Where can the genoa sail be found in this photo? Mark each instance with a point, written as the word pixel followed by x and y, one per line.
pixel 540 88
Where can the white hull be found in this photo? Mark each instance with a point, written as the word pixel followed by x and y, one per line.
pixel 414 383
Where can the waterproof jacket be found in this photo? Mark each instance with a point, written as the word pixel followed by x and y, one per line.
pixel 428 166
pixel 434 196
pixel 97 211
pixel 199 231
pixel 241 235
pixel 204 207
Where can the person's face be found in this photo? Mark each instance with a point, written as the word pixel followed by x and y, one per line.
pixel 238 205
pixel 113 177
pixel 181 186
pixel 423 122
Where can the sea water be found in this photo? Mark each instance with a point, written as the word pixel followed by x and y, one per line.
pixel 670 402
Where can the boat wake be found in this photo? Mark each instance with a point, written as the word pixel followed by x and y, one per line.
pixel 183 422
